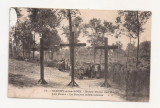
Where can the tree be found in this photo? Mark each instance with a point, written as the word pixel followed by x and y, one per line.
pixel 23 38
pixel 95 30
pixel 134 22
pixel 73 26
pixel 53 40
pixel 120 50
pixel 77 29
pixel 15 39
pixel 131 49
pixel 43 20
pixel 122 31
pixel 145 48
pixel 91 30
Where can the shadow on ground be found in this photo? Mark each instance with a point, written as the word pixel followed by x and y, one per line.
pixel 19 80
pixel 52 84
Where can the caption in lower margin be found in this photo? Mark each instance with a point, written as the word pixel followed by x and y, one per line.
pixel 81 92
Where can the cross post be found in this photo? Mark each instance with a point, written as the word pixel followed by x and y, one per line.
pixel 106 47
pixel 42 80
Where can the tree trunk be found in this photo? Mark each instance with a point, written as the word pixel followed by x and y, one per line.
pixel 51 54
pixel 16 42
pixel 29 47
pixel 94 56
pixel 100 57
pixel 138 40
pixel 10 49
pixel 117 56
pixel 34 45
pixel 61 54
pixel 33 54
pixel 23 48
pixel 128 51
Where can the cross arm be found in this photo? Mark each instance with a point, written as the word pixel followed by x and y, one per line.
pixel 109 47
pixel 63 44
pixel 80 44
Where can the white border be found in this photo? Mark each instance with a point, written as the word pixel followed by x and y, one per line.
pixel 151 5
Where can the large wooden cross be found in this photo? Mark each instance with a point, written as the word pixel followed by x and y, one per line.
pixel 106 47
pixel 42 48
pixel 72 44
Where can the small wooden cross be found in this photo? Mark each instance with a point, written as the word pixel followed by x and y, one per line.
pixel 106 47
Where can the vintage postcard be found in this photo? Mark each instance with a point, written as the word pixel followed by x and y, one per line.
pixel 79 54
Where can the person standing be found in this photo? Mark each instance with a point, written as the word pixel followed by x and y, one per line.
pixel 98 73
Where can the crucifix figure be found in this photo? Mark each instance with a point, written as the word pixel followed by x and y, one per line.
pixel 106 47
pixel 72 44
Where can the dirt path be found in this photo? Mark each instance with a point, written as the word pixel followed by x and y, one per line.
pixel 24 76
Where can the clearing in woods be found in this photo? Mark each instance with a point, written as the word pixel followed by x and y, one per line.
pixel 24 76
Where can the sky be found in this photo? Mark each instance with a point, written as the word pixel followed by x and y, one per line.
pixel 108 15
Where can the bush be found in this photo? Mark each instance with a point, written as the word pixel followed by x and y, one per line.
pixel 131 79
pixel 50 63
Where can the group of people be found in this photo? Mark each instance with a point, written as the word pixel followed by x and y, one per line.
pixel 63 64
pixel 89 70
pixel 93 71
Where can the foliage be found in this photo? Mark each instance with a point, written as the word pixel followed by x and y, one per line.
pixel 52 38
pixel 96 30
pixel 131 49
pixel 145 49
pixel 134 22
pixel 43 18
pixel 77 28
pixel 130 22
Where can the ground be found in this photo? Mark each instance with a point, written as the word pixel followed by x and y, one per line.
pixel 24 76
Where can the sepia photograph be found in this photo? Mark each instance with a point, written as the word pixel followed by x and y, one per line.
pixel 79 54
